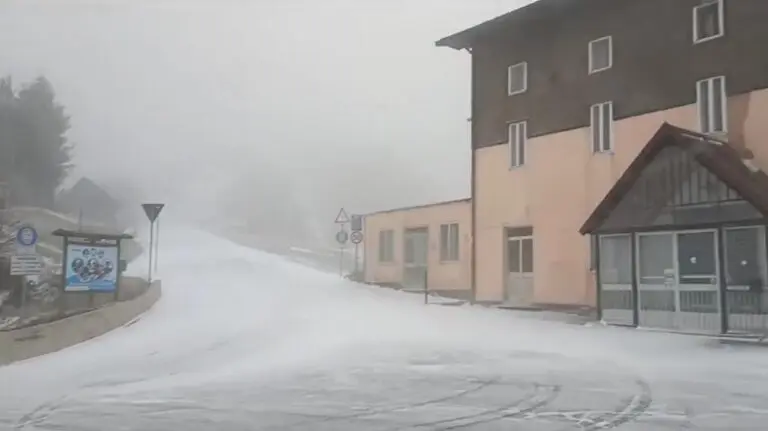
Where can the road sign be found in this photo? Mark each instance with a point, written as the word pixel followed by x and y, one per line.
pixel 152 210
pixel 342 236
pixel 26 265
pixel 342 217
pixel 26 238
pixel 356 237
pixel 356 223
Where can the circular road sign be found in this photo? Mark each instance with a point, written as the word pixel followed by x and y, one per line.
pixel 356 237
pixel 342 236
pixel 26 236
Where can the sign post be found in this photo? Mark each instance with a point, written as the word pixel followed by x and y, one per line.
pixel 25 260
pixel 356 237
pixel 157 242
pixel 356 225
pixel 152 211
pixel 342 237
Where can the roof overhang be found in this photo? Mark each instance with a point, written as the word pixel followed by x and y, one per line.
pixel 418 207
pixel 536 9
pixel 90 235
pixel 723 160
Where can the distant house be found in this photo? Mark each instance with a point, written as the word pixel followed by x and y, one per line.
pixel 418 247
pixel 89 202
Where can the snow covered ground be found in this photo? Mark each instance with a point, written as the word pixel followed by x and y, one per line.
pixel 243 340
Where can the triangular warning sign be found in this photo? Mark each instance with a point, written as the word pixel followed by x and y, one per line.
pixel 342 217
pixel 152 210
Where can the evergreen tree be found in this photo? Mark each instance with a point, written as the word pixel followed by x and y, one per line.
pixel 34 149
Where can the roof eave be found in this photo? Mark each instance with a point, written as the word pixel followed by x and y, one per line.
pixel 90 235
pixel 456 41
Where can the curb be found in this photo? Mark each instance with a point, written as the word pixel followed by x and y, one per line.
pixel 38 340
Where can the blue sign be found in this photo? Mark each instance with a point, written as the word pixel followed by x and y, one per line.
pixel 91 268
pixel 26 236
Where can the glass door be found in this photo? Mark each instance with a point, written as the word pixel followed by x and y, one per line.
pixel 519 270
pixel 415 255
pixel 657 279
pixel 698 281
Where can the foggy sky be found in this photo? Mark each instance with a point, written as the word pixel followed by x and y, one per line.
pixel 180 99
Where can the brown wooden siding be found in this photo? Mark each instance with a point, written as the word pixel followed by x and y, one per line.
pixel 655 63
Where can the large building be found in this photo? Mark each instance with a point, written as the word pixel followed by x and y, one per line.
pixel 566 95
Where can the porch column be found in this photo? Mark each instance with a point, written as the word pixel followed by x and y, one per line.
pixel 598 283
pixel 723 282
pixel 635 287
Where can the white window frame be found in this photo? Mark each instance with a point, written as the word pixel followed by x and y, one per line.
pixel 518 145
pixel 524 66
pixel 592 68
pixel 601 147
pixel 710 83
pixel 720 17
pixel 521 259
pixel 452 250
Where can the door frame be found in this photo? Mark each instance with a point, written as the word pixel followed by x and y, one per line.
pixel 763 245
pixel 677 286
pixel 405 233
pixel 507 274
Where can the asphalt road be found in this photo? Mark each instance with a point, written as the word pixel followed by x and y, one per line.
pixel 248 341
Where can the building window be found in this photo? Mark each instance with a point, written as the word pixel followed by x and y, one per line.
pixel 449 242
pixel 654 254
pixel 517 78
pixel 708 20
pixel 602 127
pixel 386 246
pixel 711 100
pixel 517 137
pixel 600 54
pixel 746 264
pixel 616 259
pixel 520 254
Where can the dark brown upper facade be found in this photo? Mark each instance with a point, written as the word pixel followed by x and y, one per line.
pixel 655 62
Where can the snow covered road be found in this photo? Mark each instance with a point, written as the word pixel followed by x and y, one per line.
pixel 244 340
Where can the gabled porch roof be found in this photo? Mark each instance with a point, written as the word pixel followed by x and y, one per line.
pixel 721 159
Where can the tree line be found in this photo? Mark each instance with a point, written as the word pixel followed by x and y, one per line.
pixel 35 154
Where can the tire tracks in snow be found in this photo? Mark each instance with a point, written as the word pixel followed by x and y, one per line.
pixel 628 410
pixel 371 411
pixel 40 413
pixel 541 397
